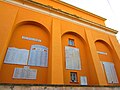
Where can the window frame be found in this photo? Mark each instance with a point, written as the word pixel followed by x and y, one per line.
pixel 71 42
pixel 73 79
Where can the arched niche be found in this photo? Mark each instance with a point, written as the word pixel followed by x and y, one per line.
pixel 104 51
pixel 29 39
pixel 106 57
pixel 80 45
pixel 29 29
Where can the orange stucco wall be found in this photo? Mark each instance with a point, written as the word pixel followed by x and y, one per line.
pixel 84 61
pixel 29 30
pixel 71 9
pixel 54 34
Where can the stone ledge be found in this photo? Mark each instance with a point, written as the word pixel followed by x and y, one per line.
pixel 55 87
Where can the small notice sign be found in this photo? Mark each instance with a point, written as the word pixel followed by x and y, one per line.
pixel 30 38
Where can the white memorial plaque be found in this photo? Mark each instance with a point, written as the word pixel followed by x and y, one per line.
pixel 83 80
pixel 72 58
pixel 24 73
pixel 110 72
pixel 38 56
pixel 16 56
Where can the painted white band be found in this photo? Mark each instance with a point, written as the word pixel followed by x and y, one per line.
pixel 57 16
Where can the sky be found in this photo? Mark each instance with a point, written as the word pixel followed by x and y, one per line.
pixel 109 9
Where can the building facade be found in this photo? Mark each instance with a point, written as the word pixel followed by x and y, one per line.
pixel 52 42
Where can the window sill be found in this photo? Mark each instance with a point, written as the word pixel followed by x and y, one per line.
pixel 75 82
pixel 71 45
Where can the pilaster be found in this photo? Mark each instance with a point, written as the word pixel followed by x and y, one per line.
pixel 7 18
pixel 96 61
pixel 116 54
pixel 56 54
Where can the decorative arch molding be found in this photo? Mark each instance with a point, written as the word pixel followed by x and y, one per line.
pixel 103 40
pixel 105 43
pixel 32 23
pixel 75 34
pixel 104 51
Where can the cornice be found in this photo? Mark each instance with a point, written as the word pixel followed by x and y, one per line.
pixel 64 15
pixel 79 9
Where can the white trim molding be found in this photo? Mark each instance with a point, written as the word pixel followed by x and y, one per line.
pixel 81 22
